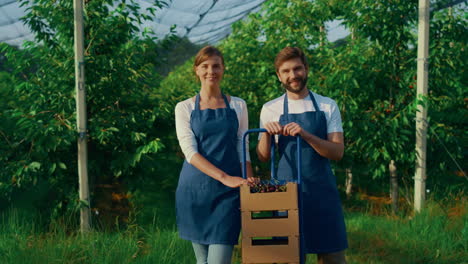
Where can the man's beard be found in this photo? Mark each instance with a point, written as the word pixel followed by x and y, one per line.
pixel 296 90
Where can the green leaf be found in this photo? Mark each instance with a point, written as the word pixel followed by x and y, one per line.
pixel 34 166
pixel 52 168
pixel 62 165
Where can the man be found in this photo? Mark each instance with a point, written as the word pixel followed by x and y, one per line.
pixel 317 120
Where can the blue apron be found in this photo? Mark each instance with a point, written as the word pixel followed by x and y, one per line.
pixel 323 222
pixel 207 211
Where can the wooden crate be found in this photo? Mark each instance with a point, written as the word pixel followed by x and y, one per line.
pixel 261 238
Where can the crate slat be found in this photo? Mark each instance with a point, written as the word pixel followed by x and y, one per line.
pixel 269 201
pixel 270 226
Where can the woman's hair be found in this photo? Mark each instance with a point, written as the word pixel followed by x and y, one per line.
pixel 205 53
pixel 289 53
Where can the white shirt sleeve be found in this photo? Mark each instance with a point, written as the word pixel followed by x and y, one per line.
pixel 243 117
pixel 334 122
pixel 264 118
pixel 185 135
pixel 267 114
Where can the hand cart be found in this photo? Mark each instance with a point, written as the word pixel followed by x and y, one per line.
pixel 274 239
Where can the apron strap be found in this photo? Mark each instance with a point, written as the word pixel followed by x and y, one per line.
pixel 197 102
pixel 317 109
pixel 286 107
pixel 226 101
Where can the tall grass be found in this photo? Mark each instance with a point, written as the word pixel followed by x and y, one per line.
pixel 439 234
pixel 21 241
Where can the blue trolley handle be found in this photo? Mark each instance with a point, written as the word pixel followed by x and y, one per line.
pixel 272 153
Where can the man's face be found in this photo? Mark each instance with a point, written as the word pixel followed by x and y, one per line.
pixel 293 75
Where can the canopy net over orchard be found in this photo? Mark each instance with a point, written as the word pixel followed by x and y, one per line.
pixel 201 21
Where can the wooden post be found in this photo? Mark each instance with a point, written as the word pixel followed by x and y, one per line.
pixel 393 186
pixel 81 118
pixel 349 182
pixel 322 34
pixel 421 114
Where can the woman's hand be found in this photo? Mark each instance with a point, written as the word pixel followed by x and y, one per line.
pixel 233 181
pixel 252 181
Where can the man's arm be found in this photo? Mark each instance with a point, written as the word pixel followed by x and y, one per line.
pixel 331 148
pixel 263 147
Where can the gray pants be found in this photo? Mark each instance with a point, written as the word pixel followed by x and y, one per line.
pixel 213 254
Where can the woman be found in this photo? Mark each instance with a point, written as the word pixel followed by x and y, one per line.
pixel 209 129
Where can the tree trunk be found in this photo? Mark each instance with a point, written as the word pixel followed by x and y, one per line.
pixel 393 186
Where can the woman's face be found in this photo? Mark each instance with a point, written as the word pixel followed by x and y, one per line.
pixel 210 72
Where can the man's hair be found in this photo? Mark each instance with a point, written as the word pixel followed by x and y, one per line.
pixel 205 53
pixel 289 53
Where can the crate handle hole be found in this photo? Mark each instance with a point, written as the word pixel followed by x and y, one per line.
pixel 269 215
pixel 268 241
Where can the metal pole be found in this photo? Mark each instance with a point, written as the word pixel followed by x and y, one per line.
pixel 421 114
pixel 81 117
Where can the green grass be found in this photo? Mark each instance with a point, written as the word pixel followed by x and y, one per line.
pixel 21 242
pixel 429 237
pixel 437 235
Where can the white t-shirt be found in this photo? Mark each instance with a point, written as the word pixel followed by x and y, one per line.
pixel 272 110
pixel 185 135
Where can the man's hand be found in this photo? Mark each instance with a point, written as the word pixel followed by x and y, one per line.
pixel 293 129
pixel 274 128
pixel 263 147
